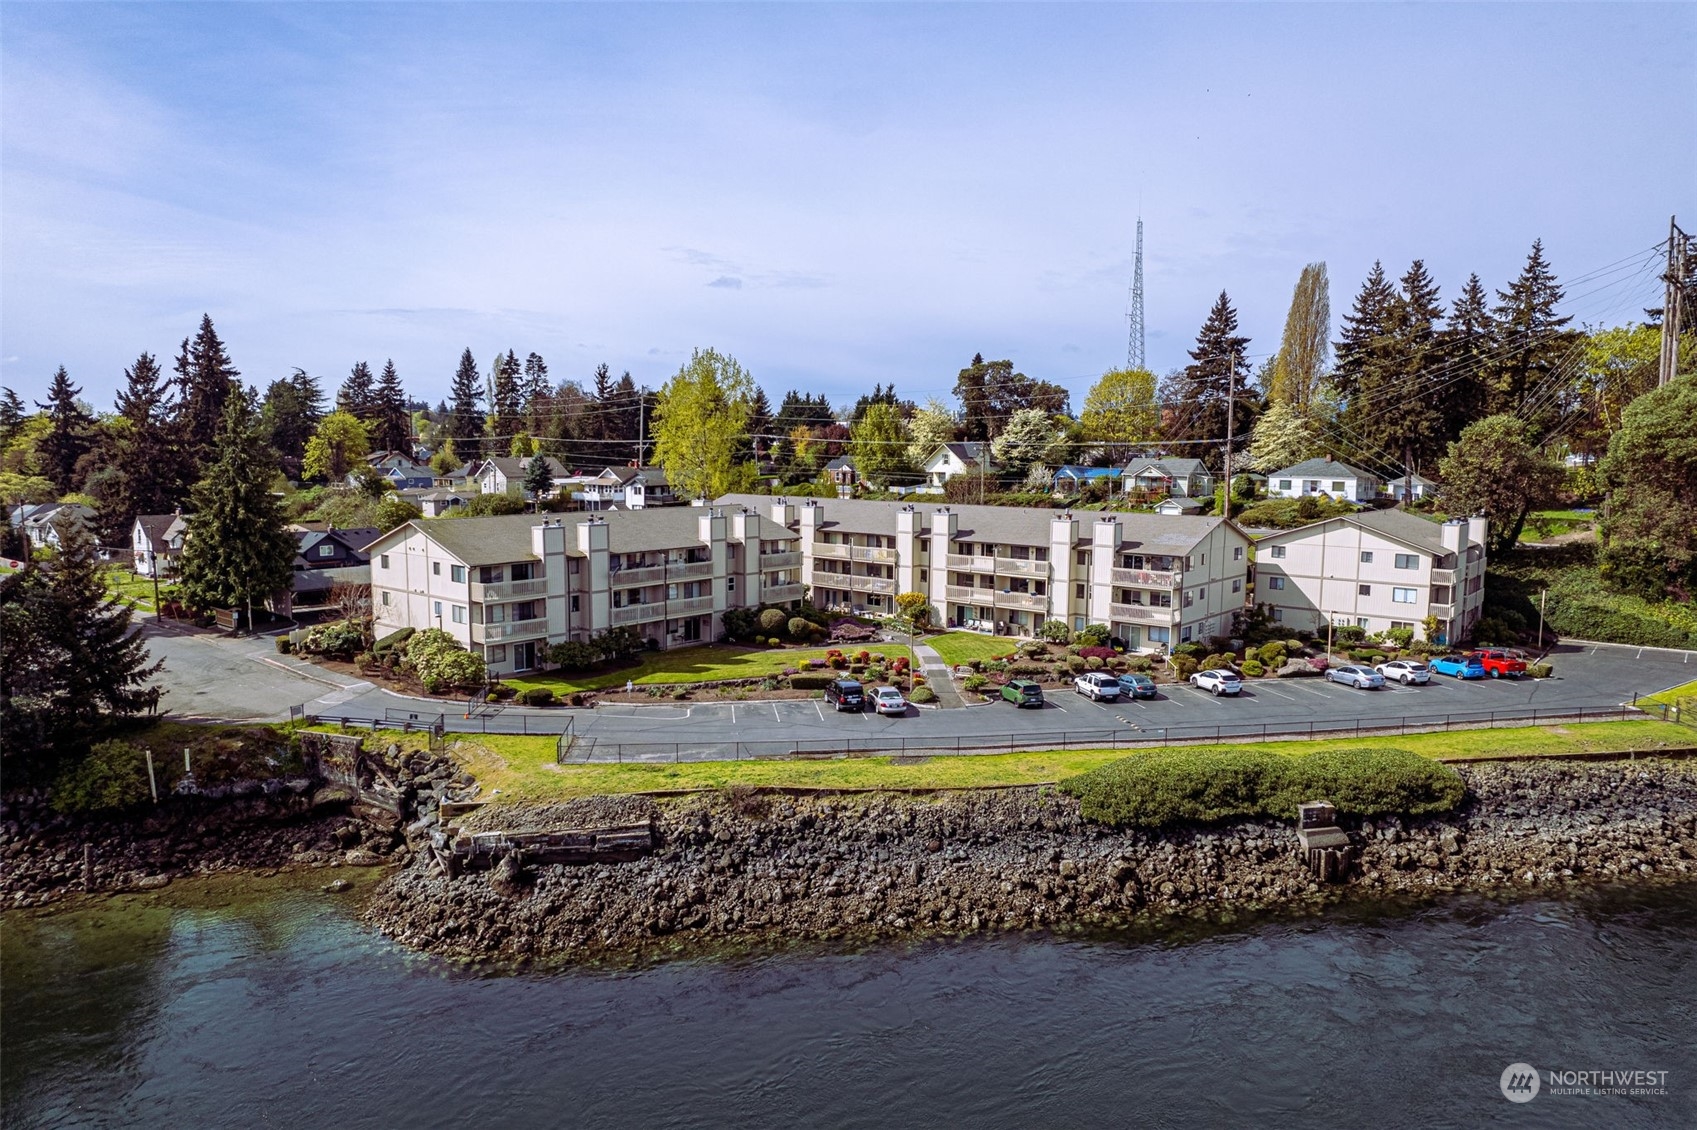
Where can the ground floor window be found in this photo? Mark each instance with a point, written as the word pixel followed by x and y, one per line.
pixel 1278 615
pixel 1162 636
pixel 495 653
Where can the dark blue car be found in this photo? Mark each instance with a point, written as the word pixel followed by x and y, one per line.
pixel 1458 667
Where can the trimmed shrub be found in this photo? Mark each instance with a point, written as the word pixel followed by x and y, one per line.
pixel 284 646
pixel 1215 663
pixel 812 682
pixel 1097 652
pixel 1093 635
pixel 112 775
pixel 1184 666
pixel 922 694
pixel 537 696
pixel 1094 663
pixel 395 639
pixel 1272 654
pixel 1077 664
pixel 974 682
pixel 1252 669
pixel 801 628
pixel 1154 790
pixel 1055 631
pixel 1140 663
pixel 772 621
pixel 1540 670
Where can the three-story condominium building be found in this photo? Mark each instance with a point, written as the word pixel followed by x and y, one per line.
pixel 1377 570
pixel 507 587
pixel 1155 580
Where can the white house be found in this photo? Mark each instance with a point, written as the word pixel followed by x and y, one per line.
pixel 950 459
pixel 1377 570
pixel 501 474
pixel 633 488
pixel 1189 478
pixel 156 541
pixel 1327 476
pixel 1409 487
pixel 40 526
pixel 1177 504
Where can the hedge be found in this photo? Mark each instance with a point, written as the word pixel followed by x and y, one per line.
pixel 393 640
pixel 812 682
pixel 1154 790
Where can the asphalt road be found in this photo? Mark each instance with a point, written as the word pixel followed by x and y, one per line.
pixel 209 676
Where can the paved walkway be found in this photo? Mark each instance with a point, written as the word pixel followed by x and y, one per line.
pixel 937 676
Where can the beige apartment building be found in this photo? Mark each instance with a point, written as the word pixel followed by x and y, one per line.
pixel 1157 581
pixel 1378 569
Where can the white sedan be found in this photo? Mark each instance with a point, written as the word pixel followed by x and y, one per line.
pixel 1219 682
pixel 888 700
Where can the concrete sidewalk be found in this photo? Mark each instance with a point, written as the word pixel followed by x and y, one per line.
pixel 938 676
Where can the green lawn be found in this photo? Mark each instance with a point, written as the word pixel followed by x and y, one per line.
pixel 1672 695
pixel 694 665
pixel 130 587
pixel 960 647
pixel 523 768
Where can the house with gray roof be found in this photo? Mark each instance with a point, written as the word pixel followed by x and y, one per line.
pixel 950 459
pixel 1323 475
pixel 156 541
pixel 502 474
pixel 1166 475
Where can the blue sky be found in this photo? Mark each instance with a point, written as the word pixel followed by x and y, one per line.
pixel 837 195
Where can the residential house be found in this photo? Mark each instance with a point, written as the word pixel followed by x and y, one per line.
pixel 950 459
pixel 325 558
pixel 437 501
pixel 400 470
pixel 502 474
pixel 1070 480
pixel 1411 488
pixel 1378 569
pixel 39 522
pixel 510 586
pixel 1155 580
pixel 1177 504
pixel 632 488
pixel 1327 476
pixel 843 473
pixel 1163 476
pixel 156 541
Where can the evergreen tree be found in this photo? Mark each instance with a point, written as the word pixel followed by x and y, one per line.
pixel 70 660
pixel 465 419
pixel 1365 332
pixel 391 423
pixel 632 420
pixel 1204 386
pixel 142 399
pixel 358 394
pixel 760 422
pixel 974 401
pixel 205 378
pixel 291 412
pixel 506 400
pixel 1531 334
pixel 69 438
pixel 11 415
pixel 143 472
pixel 1394 411
pixel 539 479
pixel 1650 527
pixel 1467 342
pixel 535 389
pixel 237 552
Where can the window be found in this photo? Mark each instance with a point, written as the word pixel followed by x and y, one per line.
pixel 1083 557
pixel 1284 484
pixel 1184 636
pixel 1402 596
pixel 731 584
pixel 1440 594
pixel 435 568
pixel 383 561
pixel 1078 591
pixel 491 574
pixel 1364 590
pixel 1367 557
pixel 458 613
pixel 436 609
pixel 456 574
pixel 1278 615
pixel 1237 553
pixel 574 602
pixel 1408 561
pixel 1361 622
pixel 1399 624
pixel 497 653
pixel 1275 583
pixel 1189 597
pixel 326 550
pixel 1237 584
pixel 1160 635
pixel 385 598
pixel 1277 551
pixel 1337 486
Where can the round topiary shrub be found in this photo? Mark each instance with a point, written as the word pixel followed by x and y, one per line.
pixel 537 696
pixel 772 621
pixel 1252 668
pixel 922 694
pixel 975 682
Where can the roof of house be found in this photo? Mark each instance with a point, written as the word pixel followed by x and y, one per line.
pixel 1173 468
pixel 352 538
pixel 514 467
pixel 323 580
pixel 1073 471
pixel 840 463
pixel 1180 502
pixel 46 513
pixel 1002 525
pixel 157 527
pixel 1398 525
pixel 969 451
pixel 507 537
pixel 1320 467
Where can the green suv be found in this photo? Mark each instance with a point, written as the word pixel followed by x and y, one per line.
pixel 1023 692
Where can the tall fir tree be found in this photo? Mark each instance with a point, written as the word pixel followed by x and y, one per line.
pixel 1468 340
pixel 505 400
pixel 358 394
pixel 391 423
pixel 142 456
pixel 535 390
pixel 205 379
pixel 603 418
pixel 71 434
pixel 465 418
pixel 760 422
pixel 630 421
pixel 238 551
pixel 1532 338
pixel 1217 363
pixel 11 415
pixel 291 412
pixel 1365 333
pixel 539 479
pixel 1394 412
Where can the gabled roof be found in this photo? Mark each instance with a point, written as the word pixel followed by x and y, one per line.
pixel 967 451
pixel 840 463
pixel 354 539
pixel 1320 468
pixel 514 467
pixel 157 528
pixel 1073 471
pixel 1180 502
pixel 1172 468
pixel 1397 525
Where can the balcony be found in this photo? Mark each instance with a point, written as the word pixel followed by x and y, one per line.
pixel 637 613
pixel 835 552
pixel 882 556
pixel 1443 577
pixel 495 633
pixel 964 593
pixel 683 570
pixel 785 560
pixel 967 564
pixel 1014 567
pixel 1140 613
pixel 688 606
pixel 633 578
pixel 1021 600
pixel 883 585
pixel 497 591
pixel 1147 579
pixel 790 590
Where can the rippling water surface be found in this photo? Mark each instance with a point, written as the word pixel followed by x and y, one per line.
pixel 267 1004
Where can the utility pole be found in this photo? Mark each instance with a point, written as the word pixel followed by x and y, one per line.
pixel 641 422
pixel 1231 401
pixel 1671 306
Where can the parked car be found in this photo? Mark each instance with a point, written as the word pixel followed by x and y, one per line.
pixel 1219 682
pixel 888 700
pixel 845 694
pixel 1097 685
pixel 1350 675
pixel 1022 692
pixel 1498 662
pixel 1137 686
pixel 1405 671
pixel 1459 666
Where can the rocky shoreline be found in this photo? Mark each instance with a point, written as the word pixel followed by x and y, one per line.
pixel 743 867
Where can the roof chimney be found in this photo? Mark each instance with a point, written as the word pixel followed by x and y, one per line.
pixel 1328 457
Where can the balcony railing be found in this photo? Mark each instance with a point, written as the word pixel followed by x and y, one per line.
pixel 1140 612
pixel 633 578
pixel 790 590
pixel 1026 601
pixel 1014 567
pixel 865 553
pixel 966 593
pixel 682 570
pixel 838 552
pixel 787 559
pixel 495 633
pixel 873 584
pixel 636 613
pixel 1443 577
pixel 688 606
pixel 969 564
pixel 1147 579
pixel 497 591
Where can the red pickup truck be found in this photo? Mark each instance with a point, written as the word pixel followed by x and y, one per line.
pixel 1499 662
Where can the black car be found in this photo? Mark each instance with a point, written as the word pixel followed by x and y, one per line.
pixel 845 694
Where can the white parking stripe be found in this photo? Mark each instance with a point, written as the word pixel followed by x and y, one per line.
pixel 820 710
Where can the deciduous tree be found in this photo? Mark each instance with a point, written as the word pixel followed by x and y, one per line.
pixel 701 416
pixel 340 444
pixel 1299 367
pixel 1493 470
pixel 878 445
pixel 1031 437
pixel 931 427
pixel 1121 410
pixel 1650 532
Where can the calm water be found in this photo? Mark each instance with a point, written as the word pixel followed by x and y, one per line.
pixel 274 1008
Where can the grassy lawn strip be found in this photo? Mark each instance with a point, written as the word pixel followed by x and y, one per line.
pixel 1672 695
pixel 131 588
pixel 523 768
pixel 707 663
pixel 959 647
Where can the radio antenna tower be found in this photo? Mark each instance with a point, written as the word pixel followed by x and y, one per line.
pixel 1134 350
